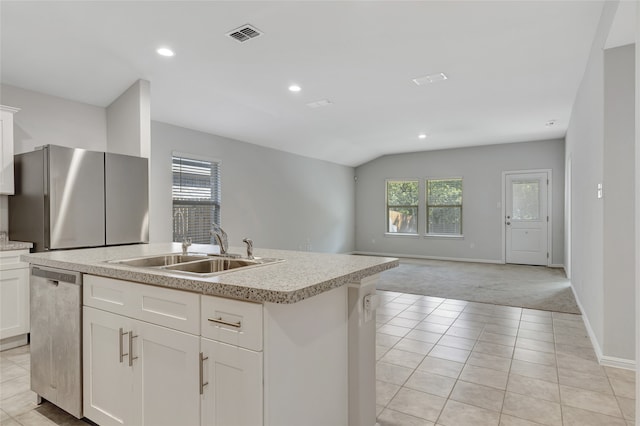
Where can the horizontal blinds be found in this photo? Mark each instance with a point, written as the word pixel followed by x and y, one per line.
pixel 196 198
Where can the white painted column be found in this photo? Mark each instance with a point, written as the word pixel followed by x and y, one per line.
pixel 362 354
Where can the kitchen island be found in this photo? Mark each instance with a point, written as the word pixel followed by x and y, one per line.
pixel 286 343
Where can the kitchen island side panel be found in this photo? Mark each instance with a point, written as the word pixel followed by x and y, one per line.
pixel 306 361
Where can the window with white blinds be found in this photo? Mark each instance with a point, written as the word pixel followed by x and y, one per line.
pixel 196 198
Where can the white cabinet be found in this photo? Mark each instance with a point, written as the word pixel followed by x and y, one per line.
pixel 107 377
pixel 6 149
pixel 232 363
pixel 232 395
pixel 135 372
pixel 157 356
pixel 14 299
pixel 165 386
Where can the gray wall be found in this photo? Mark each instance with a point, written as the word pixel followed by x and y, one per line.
pixel 45 119
pixel 594 155
pixel 619 202
pixel 129 121
pixel 278 199
pixel 481 169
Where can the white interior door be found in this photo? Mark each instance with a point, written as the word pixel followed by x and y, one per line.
pixel 526 218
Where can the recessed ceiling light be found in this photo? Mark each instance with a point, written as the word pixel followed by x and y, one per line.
pixel 422 136
pixel 294 88
pixel 165 51
pixel 551 123
pixel 432 78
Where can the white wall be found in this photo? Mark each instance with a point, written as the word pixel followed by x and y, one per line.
pixel 481 169
pixel 585 144
pixel 45 119
pixel 619 202
pixel 129 121
pixel 277 199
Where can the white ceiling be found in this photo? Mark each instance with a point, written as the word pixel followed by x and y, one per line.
pixel 511 67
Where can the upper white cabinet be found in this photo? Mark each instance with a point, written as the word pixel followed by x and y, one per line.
pixel 6 149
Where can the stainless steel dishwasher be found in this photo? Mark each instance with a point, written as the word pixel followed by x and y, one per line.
pixel 56 337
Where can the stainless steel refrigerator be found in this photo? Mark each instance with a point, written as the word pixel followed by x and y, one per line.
pixel 71 198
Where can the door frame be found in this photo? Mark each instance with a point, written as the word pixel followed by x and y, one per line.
pixel 549 211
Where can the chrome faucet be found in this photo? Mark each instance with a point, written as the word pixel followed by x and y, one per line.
pixel 186 241
pixel 249 243
pixel 221 237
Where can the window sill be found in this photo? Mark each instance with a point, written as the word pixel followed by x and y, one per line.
pixel 445 236
pixel 398 234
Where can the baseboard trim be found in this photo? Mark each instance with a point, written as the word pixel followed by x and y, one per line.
pixel 557 265
pixel 13 342
pixel 587 324
pixel 416 256
pixel 612 361
pixel 605 360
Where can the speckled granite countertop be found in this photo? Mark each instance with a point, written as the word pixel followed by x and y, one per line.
pixel 300 276
pixel 15 245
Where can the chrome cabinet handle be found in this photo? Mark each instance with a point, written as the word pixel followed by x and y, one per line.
pixel 131 357
pixel 202 382
pixel 223 322
pixel 121 344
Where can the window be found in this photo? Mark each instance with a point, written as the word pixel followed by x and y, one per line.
pixel 526 199
pixel 444 206
pixel 196 198
pixel 402 206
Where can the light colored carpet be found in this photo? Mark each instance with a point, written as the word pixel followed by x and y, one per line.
pixel 534 287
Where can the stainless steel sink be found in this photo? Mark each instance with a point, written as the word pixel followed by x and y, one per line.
pixel 163 260
pixel 195 264
pixel 218 264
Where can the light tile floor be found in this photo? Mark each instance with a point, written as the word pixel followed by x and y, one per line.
pixel 18 402
pixel 455 363
pixel 444 362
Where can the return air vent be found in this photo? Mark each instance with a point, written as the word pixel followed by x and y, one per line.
pixel 244 33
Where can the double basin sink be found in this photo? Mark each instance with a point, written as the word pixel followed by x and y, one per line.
pixel 196 264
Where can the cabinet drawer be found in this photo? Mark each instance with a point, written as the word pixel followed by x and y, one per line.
pixel 106 294
pixel 232 321
pixel 10 259
pixel 175 309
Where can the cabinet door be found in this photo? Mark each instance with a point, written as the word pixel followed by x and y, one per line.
pixel 165 368
pixel 233 395
pixel 107 377
pixel 14 302
pixel 6 150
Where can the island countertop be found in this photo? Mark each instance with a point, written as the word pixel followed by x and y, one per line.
pixel 300 276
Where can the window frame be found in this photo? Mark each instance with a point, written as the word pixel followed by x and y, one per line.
pixel 427 207
pixel 417 207
pixel 216 202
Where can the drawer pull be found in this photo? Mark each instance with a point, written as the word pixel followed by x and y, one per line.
pixel 223 322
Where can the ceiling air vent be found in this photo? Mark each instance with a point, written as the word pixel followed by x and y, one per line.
pixel 244 33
